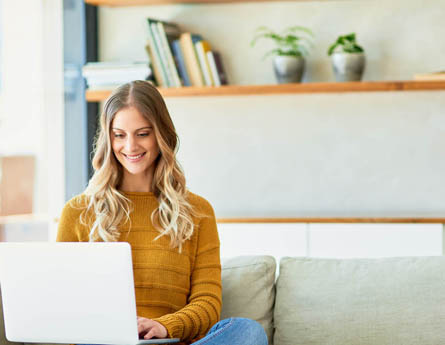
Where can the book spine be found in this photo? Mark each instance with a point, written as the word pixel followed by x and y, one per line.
pixel 157 66
pixel 196 38
pixel 154 66
pixel 205 73
pixel 202 47
pixel 177 54
pixel 213 69
pixel 164 64
pixel 220 68
pixel 168 53
pixel 191 60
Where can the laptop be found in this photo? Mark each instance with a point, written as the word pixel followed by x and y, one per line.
pixel 69 293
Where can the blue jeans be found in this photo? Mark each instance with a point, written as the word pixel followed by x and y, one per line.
pixel 235 331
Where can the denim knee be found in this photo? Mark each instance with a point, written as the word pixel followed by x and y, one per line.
pixel 254 332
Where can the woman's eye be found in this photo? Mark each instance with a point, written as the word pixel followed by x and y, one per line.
pixel 117 135
pixel 145 134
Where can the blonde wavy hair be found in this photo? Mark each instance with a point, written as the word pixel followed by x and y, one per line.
pixel 109 206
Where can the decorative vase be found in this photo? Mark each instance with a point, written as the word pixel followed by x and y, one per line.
pixel 288 69
pixel 348 66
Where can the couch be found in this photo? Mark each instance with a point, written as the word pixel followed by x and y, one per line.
pixel 388 301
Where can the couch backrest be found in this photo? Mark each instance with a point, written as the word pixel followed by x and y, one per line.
pixel 249 289
pixel 389 301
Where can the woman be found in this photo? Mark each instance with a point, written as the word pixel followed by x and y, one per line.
pixel 138 194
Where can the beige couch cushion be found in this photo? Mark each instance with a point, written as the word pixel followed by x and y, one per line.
pixel 248 289
pixel 391 301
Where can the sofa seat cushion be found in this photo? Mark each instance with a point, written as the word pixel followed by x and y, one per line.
pixel 389 301
pixel 248 289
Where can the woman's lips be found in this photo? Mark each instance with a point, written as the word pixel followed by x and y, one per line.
pixel 134 158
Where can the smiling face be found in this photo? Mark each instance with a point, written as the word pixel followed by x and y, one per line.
pixel 134 142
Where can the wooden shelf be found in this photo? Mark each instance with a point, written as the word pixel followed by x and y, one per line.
pixel 122 3
pixel 394 220
pixel 243 90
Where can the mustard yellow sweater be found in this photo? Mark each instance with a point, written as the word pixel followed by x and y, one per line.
pixel 182 291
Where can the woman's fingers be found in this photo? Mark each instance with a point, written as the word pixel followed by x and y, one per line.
pixel 151 333
pixel 148 328
pixel 141 326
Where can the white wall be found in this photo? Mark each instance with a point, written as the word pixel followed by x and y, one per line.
pixel 400 36
pixel 316 155
pixel 21 107
pixel 54 108
pixel 308 155
pixel 31 99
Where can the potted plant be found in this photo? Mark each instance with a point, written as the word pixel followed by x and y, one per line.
pixel 348 58
pixel 292 45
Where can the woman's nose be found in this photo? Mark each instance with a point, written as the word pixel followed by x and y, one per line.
pixel 130 144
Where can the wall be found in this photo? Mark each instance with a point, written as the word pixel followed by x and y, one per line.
pixel 307 155
pixel 21 129
pixel 31 99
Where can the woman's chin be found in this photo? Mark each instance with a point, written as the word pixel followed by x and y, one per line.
pixel 134 170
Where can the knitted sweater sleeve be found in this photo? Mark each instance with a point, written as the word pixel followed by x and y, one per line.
pixel 69 228
pixel 204 302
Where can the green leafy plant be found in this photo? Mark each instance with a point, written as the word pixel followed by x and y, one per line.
pixel 288 42
pixel 347 44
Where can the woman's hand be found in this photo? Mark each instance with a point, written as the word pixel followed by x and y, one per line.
pixel 148 329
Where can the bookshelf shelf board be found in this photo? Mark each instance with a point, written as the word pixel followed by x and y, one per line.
pixel 122 3
pixel 244 90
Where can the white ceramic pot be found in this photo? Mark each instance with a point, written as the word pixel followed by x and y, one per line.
pixel 288 69
pixel 348 66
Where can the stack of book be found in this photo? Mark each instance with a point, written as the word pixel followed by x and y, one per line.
pixel 433 76
pixel 104 75
pixel 182 58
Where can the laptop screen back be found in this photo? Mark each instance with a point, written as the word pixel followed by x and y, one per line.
pixel 81 293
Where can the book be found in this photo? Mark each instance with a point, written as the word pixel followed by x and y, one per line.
pixel 108 74
pixel 180 63
pixel 155 67
pixel 213 68
pixel 220 68
pixel 166 41
pixel 164 34
pixel 162 54
pixel 430 76
pixel 160 73
pixel 107 66
pixel 187 42
pixel 202 47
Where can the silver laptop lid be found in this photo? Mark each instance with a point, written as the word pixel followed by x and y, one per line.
pixel 81 293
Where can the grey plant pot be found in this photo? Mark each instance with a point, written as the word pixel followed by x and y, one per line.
pixel 288 69
pixel 348 66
